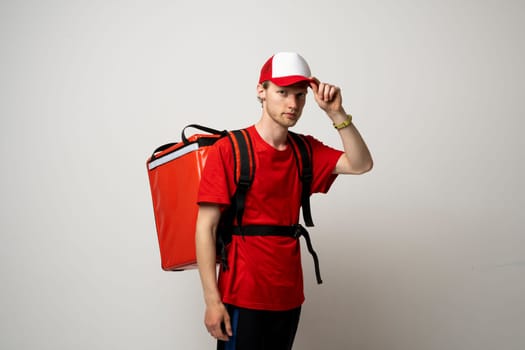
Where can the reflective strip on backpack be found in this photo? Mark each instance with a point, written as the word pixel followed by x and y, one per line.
pixel 173 155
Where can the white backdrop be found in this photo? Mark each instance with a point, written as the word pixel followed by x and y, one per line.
pixel 425 252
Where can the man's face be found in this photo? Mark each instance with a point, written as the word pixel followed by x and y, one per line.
pixel 284 104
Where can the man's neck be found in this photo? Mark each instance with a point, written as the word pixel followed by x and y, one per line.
pixel 274 134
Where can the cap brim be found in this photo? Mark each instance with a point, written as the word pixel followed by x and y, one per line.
pixel 290 80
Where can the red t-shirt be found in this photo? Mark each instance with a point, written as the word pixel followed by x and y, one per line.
pixel 265 271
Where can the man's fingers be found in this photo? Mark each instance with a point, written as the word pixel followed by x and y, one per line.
pixel 323 92
pixel 220 330
pixel 327 92
pixel 228 327
pixel 333 92
pixel 218 333
pixel 314 82
pixel 222 336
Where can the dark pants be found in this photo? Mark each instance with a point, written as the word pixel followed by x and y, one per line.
pixel 261 329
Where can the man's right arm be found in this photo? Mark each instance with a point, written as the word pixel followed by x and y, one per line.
pixel 205 238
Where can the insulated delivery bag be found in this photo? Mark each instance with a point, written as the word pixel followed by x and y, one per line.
pixel 174 171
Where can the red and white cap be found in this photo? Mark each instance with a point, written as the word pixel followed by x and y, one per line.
pixel 285 68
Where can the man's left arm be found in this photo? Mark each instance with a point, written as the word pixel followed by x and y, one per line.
pixel 356 158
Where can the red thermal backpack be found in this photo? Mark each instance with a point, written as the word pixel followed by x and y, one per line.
pixel 174 172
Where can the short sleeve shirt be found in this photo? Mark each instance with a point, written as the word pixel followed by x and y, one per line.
pixel 265 271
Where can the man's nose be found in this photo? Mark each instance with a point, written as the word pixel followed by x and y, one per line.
pixel 292 102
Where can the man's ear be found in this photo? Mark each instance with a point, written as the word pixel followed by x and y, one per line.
pixel 261 92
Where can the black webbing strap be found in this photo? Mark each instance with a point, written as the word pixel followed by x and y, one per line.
pixel 244 173
pixel 220 246
pixel 294 231
pixel 304 166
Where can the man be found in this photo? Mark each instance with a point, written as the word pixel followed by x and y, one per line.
pixel 256 302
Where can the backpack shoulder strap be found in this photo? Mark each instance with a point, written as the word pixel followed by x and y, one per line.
pixel 303 156
pixel 244 169
pixel 243 172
